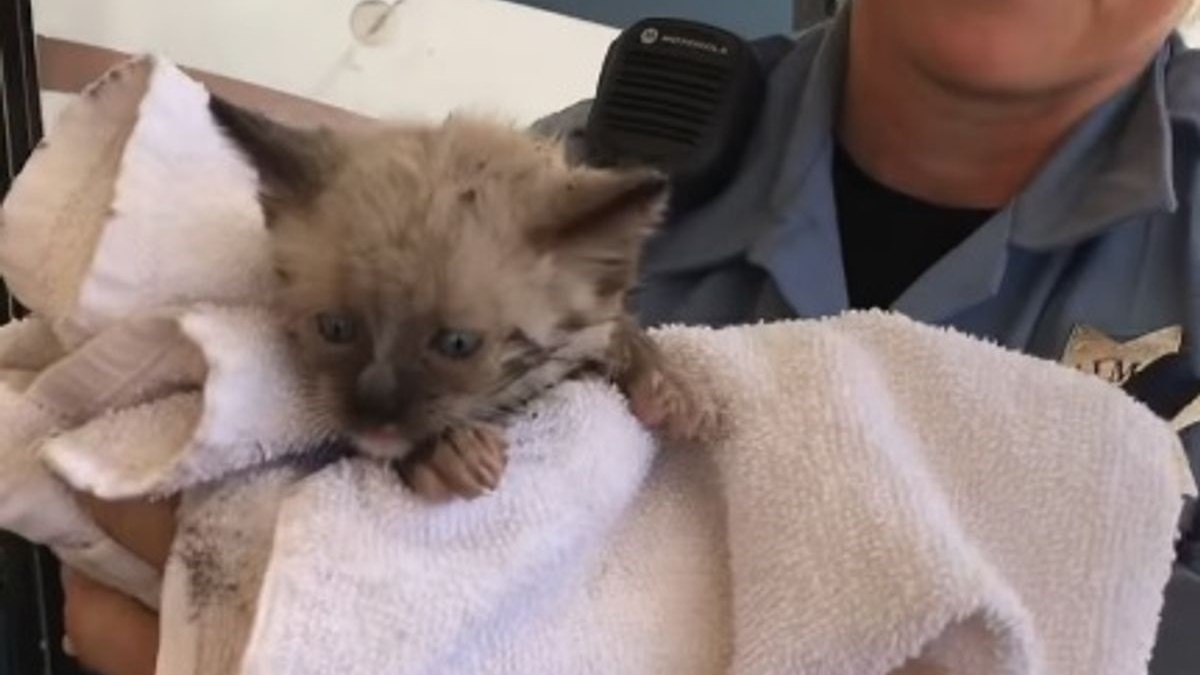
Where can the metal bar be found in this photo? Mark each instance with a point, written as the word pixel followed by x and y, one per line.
pixel 20 106
pixel 30 597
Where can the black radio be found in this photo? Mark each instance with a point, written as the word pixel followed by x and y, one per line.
pixel 679 96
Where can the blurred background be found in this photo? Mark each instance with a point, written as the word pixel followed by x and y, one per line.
pixel 387 58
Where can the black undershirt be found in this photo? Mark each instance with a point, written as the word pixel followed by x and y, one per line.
pixel 888 238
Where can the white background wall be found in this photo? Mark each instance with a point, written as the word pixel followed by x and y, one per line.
pixel 434 55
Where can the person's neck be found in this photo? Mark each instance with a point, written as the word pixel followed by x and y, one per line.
pixel 950 146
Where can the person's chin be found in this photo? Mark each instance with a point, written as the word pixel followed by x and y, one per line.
pixel 985 54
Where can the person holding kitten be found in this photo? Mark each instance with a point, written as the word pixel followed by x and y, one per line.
pixel 1023 170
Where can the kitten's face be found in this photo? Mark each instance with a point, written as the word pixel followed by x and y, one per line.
pixel 432 276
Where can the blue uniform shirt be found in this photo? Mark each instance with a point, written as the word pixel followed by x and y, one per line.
pixel 1106 237
pixel 1103 236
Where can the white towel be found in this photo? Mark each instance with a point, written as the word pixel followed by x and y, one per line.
pixel 876 502
pixel 889 497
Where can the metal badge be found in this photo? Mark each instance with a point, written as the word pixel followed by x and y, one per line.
pixel 1090 350
pixel 1188 416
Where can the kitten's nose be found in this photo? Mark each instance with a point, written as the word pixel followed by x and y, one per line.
pixel 384 393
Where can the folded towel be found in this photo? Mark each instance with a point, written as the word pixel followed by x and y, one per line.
pixel 134 168
pixel 888 497
pixel 875 507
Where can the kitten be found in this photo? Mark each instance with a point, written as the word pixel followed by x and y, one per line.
pixel 436 278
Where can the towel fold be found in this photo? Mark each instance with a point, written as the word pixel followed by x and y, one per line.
pixel 888 497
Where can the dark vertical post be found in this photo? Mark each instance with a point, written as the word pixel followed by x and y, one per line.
pixel 30 596
pixel 20 104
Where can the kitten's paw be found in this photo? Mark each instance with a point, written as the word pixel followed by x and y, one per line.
pixel 663 403
pixel 465 462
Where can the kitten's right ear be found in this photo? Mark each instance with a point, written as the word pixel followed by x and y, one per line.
pixel 293 164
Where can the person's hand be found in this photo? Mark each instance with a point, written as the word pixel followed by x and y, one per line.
pixel 111 633
pixel 146 528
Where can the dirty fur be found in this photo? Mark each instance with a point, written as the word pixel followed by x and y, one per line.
pixel 434 278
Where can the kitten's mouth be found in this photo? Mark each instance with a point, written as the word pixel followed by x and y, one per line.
pixel 387 441
pixel 383 431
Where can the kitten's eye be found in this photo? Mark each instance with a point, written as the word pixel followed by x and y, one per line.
pixel 456 344
pixel 336 328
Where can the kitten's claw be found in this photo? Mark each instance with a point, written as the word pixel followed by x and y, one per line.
pixel 661 402
pixel 421 479
pixel 464 462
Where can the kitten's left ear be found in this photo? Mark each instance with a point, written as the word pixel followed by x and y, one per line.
pixel 293 164
pixel 600 219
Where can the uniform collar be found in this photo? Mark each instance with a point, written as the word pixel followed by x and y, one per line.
pixel 810 138
pixel 1115 164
